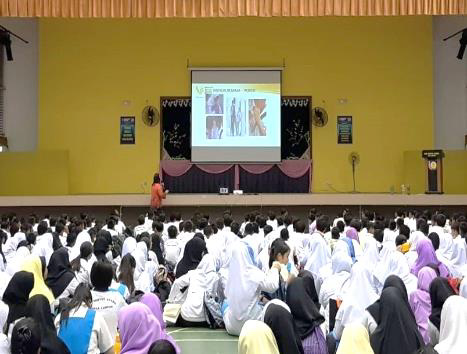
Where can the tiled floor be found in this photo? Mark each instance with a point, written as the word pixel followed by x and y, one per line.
pixel 204 341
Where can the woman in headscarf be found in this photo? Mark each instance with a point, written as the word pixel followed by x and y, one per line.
pixel 16 296
pixel 359 294
pixel 195 283
pixel 282 324
pixel 129 245
pixel 352 234
pixel 370 256
pixel 420 301
pixel 457 263
pixel 397 330
pixel 453 326
pixel 192 255
pixel 426 256
pixel 440 291
pixel 145 270
pixel 373 312
pixel 152 301
pixel 332 286
pixel 36 266
pixel 306 316
pixel 397 265
pixel 319 255
pixel 245 281
pixel 257 338
pixel 61 278
pixel 355 339
pixel 17 259
pixel 139 328
pixel 38 308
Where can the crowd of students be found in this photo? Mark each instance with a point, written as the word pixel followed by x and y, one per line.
pixel 353 284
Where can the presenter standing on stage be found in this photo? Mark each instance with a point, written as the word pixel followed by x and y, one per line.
pixel 157 192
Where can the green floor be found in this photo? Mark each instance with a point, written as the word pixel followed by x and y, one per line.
pixel 204 341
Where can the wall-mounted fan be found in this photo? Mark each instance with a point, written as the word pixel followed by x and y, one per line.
pixel 354 159
pixel 151 116
pixel 319 117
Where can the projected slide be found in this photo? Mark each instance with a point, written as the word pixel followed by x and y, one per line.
pixel 236 116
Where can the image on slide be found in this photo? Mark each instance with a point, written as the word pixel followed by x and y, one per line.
pixel 235 116
pixel 214 104
pixel 214 127
pixel 257 112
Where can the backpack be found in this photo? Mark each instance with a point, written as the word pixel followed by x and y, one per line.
pixel 213 299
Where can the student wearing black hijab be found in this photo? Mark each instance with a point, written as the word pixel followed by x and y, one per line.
pixel 310 287
pixel 397 331
pixel 38 308
pixel 16 296
pixel 305 314
pixel 440 290
pixel 194 251
pixel 396 282
pixel 283 326
pixel 59 274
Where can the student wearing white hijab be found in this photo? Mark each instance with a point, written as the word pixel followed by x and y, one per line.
pixel 332 285
pixel 129 245
pixel 457 263
pixel 397 265
pixel 244 284
pixel 16 260
pixel 453 326
pixel 318 256
pixel 359 294
pixel 370 256
pixel 198 282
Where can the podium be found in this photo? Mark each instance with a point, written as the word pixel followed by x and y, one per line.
pixel 434 171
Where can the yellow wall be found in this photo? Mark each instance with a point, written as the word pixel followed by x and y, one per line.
pixel 383 66
pixel 34 173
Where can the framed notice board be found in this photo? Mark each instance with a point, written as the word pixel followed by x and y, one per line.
pixel 127 130
pixel 344 130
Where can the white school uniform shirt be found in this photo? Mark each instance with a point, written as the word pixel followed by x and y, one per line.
pixel 172 251
pixel 9 249
pixel 457 263
pixel 44 246
pixel 108 303
pixel 389 235
pixel 445 242
pixel 272 223
pixel 120 227
pixel 140 229
pixel 101 338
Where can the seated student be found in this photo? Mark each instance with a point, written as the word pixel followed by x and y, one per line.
pixel 256 337
pixel 26 337
pixel 189 290
pixel 81 328
pixel 106 301
pixel 38 308
pixel 139 328
pixel 16 296
pixel 355 339
pixel 37 267
pixel 60 277
pixel 440 291
pixel 278 317
pixel 279 252
pixel 244 285
pixel 172 248
pixel 192 255
pixel 82 264
pixel 426 256
pixel 162 346
pixel 126 276
pixel 306 315
pixel 453 325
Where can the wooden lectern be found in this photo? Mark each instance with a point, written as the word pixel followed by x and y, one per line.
pixel 434 171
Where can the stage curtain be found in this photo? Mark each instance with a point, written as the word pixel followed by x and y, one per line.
pixel 196 180
pixel 227 8
pixel 273 181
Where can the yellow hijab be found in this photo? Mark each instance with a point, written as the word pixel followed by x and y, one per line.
pixel 257 337
pixel 34 265
pixel 355 339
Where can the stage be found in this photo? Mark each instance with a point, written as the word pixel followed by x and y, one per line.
pixel 200 200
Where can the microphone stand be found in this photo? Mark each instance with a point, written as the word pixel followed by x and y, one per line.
pixel 455 34
pixel 4 29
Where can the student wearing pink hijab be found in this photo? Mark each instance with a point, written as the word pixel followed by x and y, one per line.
pixel 427 256
pixel 139 328
pixel 420 302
